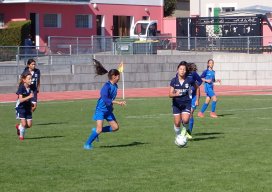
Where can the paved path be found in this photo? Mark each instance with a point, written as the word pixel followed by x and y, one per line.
pixel 140 92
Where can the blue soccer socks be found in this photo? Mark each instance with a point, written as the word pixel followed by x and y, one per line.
pixel 191 125
pixel 213 106
pixel 204 107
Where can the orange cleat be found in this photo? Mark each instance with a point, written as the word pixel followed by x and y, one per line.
pixel 200 114
pixel 213 115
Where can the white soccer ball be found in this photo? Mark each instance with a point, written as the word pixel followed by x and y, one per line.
pixel 181 140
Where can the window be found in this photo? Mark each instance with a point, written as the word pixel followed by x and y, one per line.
pixel 52 20
pixel 83 21
pixel 2 20
pixel 228 9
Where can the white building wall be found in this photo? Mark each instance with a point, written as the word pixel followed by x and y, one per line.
pixel 201 7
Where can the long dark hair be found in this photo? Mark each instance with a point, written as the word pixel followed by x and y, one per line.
pixel 191 67
pixel 184 63
pixel 30 61
pixel 100 70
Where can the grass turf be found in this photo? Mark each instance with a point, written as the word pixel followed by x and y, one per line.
pixel 230 153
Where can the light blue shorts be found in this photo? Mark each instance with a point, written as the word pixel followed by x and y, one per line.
pixel 99 115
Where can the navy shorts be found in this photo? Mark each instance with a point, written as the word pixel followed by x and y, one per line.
pixel 183 108
pixel 35 97
pixel 23 114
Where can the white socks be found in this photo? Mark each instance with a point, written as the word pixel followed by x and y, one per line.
pixel 177 130
pixel 22 130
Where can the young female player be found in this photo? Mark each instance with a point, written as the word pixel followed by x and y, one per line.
pixel 193 72
pixel 23 105
pixel 208 77
pixel 104 107
pixel 35 81
pixel 180 92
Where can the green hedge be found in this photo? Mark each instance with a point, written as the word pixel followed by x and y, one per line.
pixel 15 33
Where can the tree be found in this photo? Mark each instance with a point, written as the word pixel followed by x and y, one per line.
pixel 169 7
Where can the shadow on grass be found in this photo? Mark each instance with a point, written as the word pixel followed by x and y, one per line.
pixel 51 123
pixel 44 137
pixel 204 138
pixel 211 133
pixel 125 145
pixel 223 115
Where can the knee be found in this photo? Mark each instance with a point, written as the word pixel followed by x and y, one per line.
pixel 115 128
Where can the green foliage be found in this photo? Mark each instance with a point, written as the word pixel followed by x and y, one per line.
pixel 230 153
pixel 15 33
pixel 169 7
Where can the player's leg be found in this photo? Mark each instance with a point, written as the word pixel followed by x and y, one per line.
pixel 186 113
pixel 113 125
pixel 191 121
pixel 22 128
pixel 177 119
pixel 213 107
pixel 204 107
pixel 34 101
pixel 94 134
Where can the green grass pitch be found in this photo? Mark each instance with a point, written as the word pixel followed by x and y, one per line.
pixel 230 153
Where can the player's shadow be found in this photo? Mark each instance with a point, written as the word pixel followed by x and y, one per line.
pixel 44 137
pixel 135 143
pixel 223 115
pixel 204 138
pixel 211 135
pixel 51 123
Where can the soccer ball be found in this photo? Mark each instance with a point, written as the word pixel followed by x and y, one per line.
pixel 181 140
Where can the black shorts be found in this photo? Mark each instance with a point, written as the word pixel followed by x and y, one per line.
pixel 182 108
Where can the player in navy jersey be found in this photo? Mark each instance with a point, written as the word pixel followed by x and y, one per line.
pixel 23 104
pixel 180 92
pixel 35 81
pixel 193 72
pixel 104 106
pixel 208 77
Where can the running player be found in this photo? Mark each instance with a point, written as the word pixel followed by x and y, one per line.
pixel 35 81
pixel 23 105
pixel 208 77
pixel 193 72
pixel 180 92
pixel 104 107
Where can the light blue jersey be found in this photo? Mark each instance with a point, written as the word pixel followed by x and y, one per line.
pixel 208 87
pixel 104 106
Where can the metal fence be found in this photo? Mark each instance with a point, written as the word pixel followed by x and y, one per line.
pixel 58 45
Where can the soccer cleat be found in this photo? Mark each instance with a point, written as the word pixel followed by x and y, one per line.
pixel 213 115
pixel 97 138
pixel 17 129
pixel 21 138
pixel 88 147
pixel 200 114
pixel 188 136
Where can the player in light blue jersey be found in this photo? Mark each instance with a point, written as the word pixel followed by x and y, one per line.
pixel 193 73
pixel 208 77
pixel 104 107
pixel 180 92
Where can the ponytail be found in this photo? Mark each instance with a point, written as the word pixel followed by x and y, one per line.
pixel 100 70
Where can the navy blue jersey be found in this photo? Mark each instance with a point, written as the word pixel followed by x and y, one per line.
pixel 184 88
pixel 107 95
pixel 197 79
pixel 22 90
pixel 36 75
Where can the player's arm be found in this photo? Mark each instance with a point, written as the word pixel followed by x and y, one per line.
pixel 39 82
pixel 173 92
pixel 122 103
pixel 197 78
pixel 203 77
pixel 197 94
pixel 23 99
pixel 105 95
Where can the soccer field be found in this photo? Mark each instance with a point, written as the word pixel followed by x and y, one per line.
pixel 230 153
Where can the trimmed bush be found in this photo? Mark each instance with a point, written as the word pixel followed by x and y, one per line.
pixel 15 33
